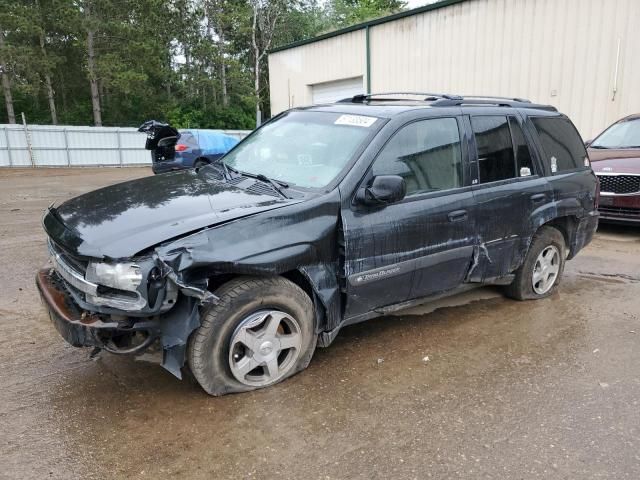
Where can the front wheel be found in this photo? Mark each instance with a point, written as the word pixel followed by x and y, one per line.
pixel 260 332
pixel 540 273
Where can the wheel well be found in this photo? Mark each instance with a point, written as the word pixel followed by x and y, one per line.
pixel 320 310
pixel 295 276
pixel 216 281
pixel 567 226
pixel 300 280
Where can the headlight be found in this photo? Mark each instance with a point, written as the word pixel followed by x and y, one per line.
pixel 117 285
pixel 123 276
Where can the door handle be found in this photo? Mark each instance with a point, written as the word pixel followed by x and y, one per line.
pixel 538 197
pixel 457 216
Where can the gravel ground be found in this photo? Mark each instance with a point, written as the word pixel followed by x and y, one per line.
pixel 546 389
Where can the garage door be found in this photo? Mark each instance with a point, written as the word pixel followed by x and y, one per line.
pixel 329 92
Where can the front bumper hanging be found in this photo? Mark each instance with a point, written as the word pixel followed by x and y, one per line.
pixel 84 329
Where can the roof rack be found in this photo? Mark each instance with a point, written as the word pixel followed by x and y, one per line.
pixel 427 97
pixel 449 100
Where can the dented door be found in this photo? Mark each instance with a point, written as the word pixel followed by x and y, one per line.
pixel 510 191
pixel 423 244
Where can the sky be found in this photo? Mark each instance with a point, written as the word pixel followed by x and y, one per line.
pixel 418 3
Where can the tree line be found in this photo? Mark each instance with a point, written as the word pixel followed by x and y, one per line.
pixel 193 63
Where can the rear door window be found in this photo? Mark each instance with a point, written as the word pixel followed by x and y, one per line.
pixel 524 161
pixel 496 159
pixel 503 151
pixel 562 145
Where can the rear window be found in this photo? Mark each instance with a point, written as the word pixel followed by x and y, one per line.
pixel 188 138
pixel 563 147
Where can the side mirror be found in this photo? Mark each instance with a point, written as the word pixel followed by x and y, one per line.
pixel 382 190
pixel 587 143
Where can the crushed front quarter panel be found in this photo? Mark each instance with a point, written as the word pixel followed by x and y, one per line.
pixel 298 237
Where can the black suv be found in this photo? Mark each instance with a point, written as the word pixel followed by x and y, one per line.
pixel 323 217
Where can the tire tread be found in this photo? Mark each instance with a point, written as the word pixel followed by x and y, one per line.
pixel 213 319
pixel 519 288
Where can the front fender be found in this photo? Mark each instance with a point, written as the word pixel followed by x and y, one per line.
pixel 300 237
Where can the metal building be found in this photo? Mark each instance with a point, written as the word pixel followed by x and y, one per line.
pixel 582 56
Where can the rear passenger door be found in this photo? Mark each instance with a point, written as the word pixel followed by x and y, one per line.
pixel 509 190
pixel 424 243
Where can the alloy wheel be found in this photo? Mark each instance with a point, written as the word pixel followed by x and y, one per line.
pixel 264 347
pixel 546 269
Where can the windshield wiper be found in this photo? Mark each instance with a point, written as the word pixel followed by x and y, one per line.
pixel 226 170
pixel 277 185
pixel 599 147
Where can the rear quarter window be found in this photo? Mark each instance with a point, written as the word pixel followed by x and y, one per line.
pixel 562 145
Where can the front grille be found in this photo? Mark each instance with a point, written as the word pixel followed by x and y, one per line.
pixel 620 212
pixel 76 262
pixel 620 184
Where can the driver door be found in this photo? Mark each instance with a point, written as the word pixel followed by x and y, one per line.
pixel 424 243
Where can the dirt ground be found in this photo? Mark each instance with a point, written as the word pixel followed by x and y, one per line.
pixel 513 390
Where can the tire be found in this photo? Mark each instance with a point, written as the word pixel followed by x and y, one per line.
pixel 547 242
pixel 243 302
pixel 200 163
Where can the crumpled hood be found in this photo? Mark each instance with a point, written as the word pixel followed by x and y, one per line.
pixel 615 160
pixel 124 219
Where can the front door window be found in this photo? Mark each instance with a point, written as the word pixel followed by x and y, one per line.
pixel 426 154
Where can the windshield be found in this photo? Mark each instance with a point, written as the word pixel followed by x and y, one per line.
pixel 621 135
pixel 308 149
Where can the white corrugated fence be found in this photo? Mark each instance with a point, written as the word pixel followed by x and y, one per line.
pixel 70 146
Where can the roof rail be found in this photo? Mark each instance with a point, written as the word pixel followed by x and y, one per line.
pixel 427 96
pixel 487 97
pixel 497 101
pixel 449 100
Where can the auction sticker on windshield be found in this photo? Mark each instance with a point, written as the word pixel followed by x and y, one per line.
pixel 355 120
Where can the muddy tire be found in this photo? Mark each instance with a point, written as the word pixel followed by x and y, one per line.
pixel 541 271
pixel 261 332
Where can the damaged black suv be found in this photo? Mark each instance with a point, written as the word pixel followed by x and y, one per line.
pixel 323 217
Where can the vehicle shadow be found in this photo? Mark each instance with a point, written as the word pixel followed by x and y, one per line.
pixel 621 231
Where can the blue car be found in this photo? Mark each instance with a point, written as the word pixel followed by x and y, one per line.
pixel 176 150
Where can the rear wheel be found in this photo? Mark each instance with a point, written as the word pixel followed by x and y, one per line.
pixel 540 273
pixel 260 332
